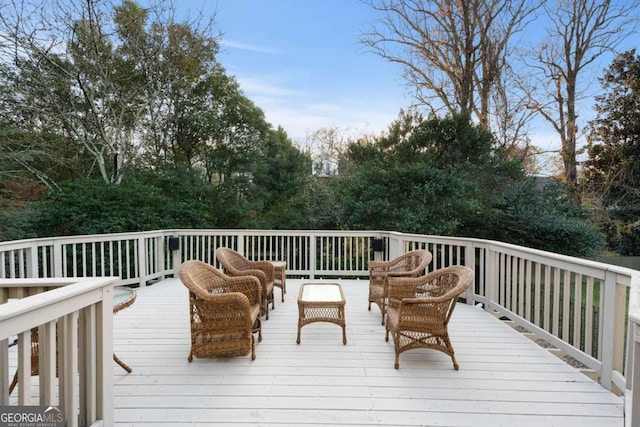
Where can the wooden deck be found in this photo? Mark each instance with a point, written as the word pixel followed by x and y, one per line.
pixel 505 379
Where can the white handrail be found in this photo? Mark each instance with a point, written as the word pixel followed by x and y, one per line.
pixel 577 305
pixel 632 392
pixel 84 304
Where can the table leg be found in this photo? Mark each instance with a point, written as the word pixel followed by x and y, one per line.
pixel 121 363
pixel 344 327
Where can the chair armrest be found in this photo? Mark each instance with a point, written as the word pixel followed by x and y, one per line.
pixel 249 272
pixel 247 285
pixel 398 290
pixel 266 267
pixel 389 267
pixel 379 265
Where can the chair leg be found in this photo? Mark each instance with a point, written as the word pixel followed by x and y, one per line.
pixel 449 347
pixel 257 327
pixel 13 383
pixel 121 363
pixel 271 298
pixel 396 347
pixel 253 348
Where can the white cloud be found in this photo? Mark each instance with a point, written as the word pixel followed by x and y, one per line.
pixel 249 47
pixel 546 140
pixel 262 87
pixel 302 119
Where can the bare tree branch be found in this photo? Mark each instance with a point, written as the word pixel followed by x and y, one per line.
pixel 580 31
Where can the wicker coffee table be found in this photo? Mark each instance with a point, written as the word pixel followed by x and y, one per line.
pixel 321 302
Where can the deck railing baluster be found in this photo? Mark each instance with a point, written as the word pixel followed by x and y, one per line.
pixel 577 304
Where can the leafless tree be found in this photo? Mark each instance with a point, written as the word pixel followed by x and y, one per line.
pixel 327 147
pixel 454 53
pixel 579 32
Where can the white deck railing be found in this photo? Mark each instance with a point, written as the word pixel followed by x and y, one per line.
pixel 73 318
pixel 581 307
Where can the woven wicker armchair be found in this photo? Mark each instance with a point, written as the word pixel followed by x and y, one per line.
pixel 419 309
pixel 235 264
pixel 409 264
pixel 224 311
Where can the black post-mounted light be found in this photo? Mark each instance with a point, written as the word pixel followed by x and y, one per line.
pixel 174 243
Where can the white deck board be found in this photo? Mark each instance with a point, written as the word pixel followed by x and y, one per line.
pixel 504 378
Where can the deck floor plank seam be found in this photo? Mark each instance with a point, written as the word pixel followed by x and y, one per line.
pixel 504 378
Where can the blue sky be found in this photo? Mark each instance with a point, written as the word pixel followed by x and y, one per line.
pixel 300 61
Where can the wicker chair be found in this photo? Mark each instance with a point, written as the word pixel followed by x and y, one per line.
pixel 235 264
pixel 224 311
pixel 409 264
pixel 419 309
pixel 35 346
pixel 35 359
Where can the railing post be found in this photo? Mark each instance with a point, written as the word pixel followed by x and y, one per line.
pixel 4 358
pixel 161 255
pixel 241 239
pixel 632 414
pixel 104 357
pixel 632 372
pixel 24 368
pixel 395 247
pixel 58 262
pixel 70 396
pixel 32 261
pixel 313 242
pixel 470 261
pixel 143 256
pixel 491 268
pixel 608 335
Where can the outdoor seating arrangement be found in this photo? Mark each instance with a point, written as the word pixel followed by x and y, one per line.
pixel 224 311
pixel 419 309
pixel 235 264
pixel 409 264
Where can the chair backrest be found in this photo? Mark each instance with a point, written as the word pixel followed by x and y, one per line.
pixel 438 290
pixel 202 279
pixel 231 260
pixel 235 264
pixel 415 261
pixel 412 263
pixel 450 281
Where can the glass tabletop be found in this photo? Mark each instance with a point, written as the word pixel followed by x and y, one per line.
pixel 122 297
pixel 321 292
